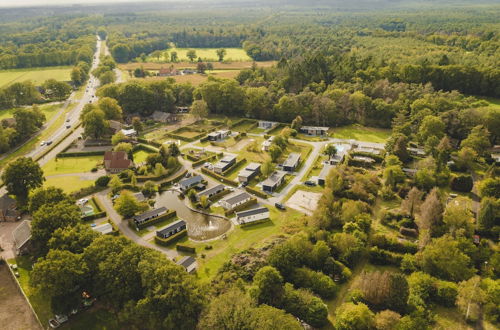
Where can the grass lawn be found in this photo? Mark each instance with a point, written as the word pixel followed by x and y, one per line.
pixel 66 165
pixel 37 75
pixel 207 54
pixel 140 156
pixel 68 183
pixel 232 174
pixel 48 109
pixel 244 126
pixel 362 133
pixel 276 129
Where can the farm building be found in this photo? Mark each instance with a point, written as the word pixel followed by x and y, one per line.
pixel 149 215
pixel 292 162
pixel 314 130
pixel 273 182
pixel 249 172
pixel 116 161
pixel 235 200
pixel 172 229
pixel 189 263
pixel 191 182
pixel 252 215
pixel 212 191
pixel 224 164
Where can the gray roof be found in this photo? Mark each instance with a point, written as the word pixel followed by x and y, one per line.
pixel 191 181
pixel 273 179
pixel 241 196
pixel 172 226
pixel 246 173
pixel 160 116
pixel 212 190
pixel 317 128
pixel 139 196
pixel 149 214
pixel 186 261
pixel 257 210
pixel 228 159
pixel 252 167
pixel 325 171
pixel 22 233
pixel 292 159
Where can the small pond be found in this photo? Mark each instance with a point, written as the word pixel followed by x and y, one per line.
pixel 200 227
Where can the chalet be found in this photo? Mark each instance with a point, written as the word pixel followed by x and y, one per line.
pixel 22 236
pixel 105 228
pixel 168 72
pixel 273 182
pixel 314 130
pixel 8 209
pixel 324 173
pixel 129 132
pixel 267 143
pixel 172 229
pixel 191 182
pixel 188 263
pixel 267 124
pixel 163 117
pixel 292 162
pixel 252 215
pixel 149 215
pixel 224 164
pixel 249 172
pixel 116 161
pixel 218 135
pixel 235 200
pixel 212 191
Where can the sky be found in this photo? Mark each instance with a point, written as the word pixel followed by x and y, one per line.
pixel 17 3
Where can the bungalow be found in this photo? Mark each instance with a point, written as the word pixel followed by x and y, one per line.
pixel 212 191
pixel 149 215
pixel 8 209
pixel 105 228
pixel 129 132
pixel 188 263
pixel 273 181
pixel 22 235
pixel 218 135
pixel 191 182
pixel 267 143
pixel 324 173
pixel 267 124
pixel 250 171
pixel 172 229
pixel 116 161
pixel 224 164
pixel 252 215
pixel 314 130
pixel 291 162
pixel 235 200
pixel 163 117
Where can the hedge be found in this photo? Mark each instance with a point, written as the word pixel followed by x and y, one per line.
pixel 150 142
pixel 235 165
pixel 79 154
pixel 86 191
pixel 192 158
pixel 388 243
pixel 185 248
pixel 219 195
pixel 186 139
pixel 168 215
pixel 241 207
pixel 219 177
pixel 204 160
pixel 99 214
pixel 256 192
pixel 384 257
pixel 167 241
pixel 174 179
pixel 145 147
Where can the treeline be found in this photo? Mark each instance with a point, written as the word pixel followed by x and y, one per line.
pixel 125 48
pixel 25 122
pixel 26 93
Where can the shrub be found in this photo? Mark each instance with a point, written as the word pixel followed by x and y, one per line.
pixel 462 183
pixel 318 282
pixel 388 243
pixel 446 294
pixel 384 257
pixel 103 181
pixel 185 248
pixel 305 306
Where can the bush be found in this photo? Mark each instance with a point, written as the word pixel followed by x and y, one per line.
pixel 304 305
pixel 219 177
pixel 446 293
pixel 79 154
pixel 256 192
pixel 384 257
pixel 408 232
pixel 462 183
pixel 185 248
pixel 103 181
pixel 318 282
pixel 388 243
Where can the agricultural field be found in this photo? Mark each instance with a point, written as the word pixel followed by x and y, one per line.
pixel 37 75
pixel 155 66
pixel 206 54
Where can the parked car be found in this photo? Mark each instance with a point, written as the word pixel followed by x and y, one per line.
pixel 48 143
pixel 280 206
pixel 42 143
pixel 82 201
pixel 310 183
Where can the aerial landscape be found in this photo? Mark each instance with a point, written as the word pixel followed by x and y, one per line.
pixel 230 164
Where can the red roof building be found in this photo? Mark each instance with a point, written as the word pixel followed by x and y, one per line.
pixel 116 161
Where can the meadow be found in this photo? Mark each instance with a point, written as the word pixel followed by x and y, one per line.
pixel 48 109
pixel 37 75
pixel 206 54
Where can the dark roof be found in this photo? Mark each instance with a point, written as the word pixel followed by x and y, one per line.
pixel 273 179
pixel 7 202
pixel 116 159
pixel 237 198
pixel 215 189
pixel 186 261
pixel 191 181
pixel 172 226
pixel 257 210
pixel 149 214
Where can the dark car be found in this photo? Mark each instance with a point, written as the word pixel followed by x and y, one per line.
pixel 280 206
pixel 48 143
pixel 310 183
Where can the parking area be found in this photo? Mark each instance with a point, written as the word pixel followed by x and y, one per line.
pixel 304 201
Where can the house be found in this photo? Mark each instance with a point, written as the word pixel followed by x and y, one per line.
pixel 249 172
pixel 235 200
pixel 129 132
pixel 324 173
pixel 105 228
pixel 164 117
pixel 273 181
pixel 149 215
pixel 292 162
pixel 172 229
pixel 22 235
pixel 252 215
pixel 267 143
pixel 416 151
pixel 314 130
pixel 116 161
pixel 224 164
pixel 218 135
pixel 115 125
pixel 191 182
pixel 168 72
pixel 212 191
pixel 8 209
pixel 189 263
pixel 342 150
pixel 267 124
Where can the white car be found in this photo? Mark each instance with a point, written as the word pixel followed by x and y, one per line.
pixel 42 143
pixel 82 201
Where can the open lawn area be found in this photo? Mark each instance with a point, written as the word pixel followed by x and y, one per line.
pixel 362 133
pixel 206 54
pixel 244 125
pixel 37 75
pixel 140 156
pixel 66 165
pixel 68 183
pixel 492 102
pixel 49 111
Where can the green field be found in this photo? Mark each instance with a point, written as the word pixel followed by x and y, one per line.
pixel 140 156
pixel 68 183
pixel 207 54
pixel 362 133
pixel 67 165
pixel 37 75
pixel 49 110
